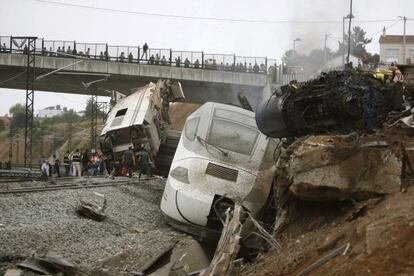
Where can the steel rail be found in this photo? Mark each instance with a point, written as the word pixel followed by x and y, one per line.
pixel 66 187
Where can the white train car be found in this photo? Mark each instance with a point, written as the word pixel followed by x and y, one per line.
pixel 140 118
pixel 221 158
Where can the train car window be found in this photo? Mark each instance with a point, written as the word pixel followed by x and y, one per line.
pixel 121 112
pixel 234 116
pixel 191 129
pixel 232 136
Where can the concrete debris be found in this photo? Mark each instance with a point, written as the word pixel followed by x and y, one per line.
pixel 191 258
pixel 13 272
pixel 329 168
pixel 91 209
pixel 49 264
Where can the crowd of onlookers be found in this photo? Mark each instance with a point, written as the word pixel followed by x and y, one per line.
pixel 151 59
pixel 5 166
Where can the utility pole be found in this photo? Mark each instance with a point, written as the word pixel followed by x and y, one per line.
pixel 404 61
pixel 294 45
pixel 17 149
pixel 94 119
pixel 325 51
pixel 70 137
pixel 42 145
pixel 349 31
pixel 343 37
pixel 11 144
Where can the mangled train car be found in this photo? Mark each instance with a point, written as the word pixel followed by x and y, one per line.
pixel 140 119
pixel 222 158
pixel 337 101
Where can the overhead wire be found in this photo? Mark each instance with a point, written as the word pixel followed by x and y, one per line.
pixel 386 28
pixel 281 21
pixel 14 77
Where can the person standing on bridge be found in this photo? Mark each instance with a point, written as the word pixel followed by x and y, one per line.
pixel 145 51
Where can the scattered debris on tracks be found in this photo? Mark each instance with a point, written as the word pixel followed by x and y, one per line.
pixel 92 210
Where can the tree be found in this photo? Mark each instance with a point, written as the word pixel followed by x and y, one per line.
pixel 18 112
pixel 358 44
pixel 311 63
pixel 88 110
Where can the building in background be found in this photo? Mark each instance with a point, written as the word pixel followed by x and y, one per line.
pixel 51 111
pixel 392 48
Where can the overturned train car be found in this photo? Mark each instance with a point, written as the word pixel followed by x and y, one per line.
pixel 339 101
pixel 140 118
pixel 221 158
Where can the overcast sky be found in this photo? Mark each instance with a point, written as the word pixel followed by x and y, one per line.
pixel 285 21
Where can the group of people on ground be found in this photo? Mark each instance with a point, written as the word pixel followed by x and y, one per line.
pixel 5 166
pixel 87 163
pixel 130 159
pixel 75 164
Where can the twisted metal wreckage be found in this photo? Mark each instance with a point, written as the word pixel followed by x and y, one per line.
pixel 346 137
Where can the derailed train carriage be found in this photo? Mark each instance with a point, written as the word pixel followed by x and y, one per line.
pixel 221 158
pixel 140 119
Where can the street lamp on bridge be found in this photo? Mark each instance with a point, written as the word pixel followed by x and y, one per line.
pixel 294 45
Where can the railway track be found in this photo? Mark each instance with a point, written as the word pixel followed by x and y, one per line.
pixel 71 186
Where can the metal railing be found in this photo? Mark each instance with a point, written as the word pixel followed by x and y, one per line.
pixel 136 54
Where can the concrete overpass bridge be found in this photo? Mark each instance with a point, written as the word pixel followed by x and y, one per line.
pixel 205 77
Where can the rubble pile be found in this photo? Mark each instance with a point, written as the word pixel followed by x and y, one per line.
pixel 330 167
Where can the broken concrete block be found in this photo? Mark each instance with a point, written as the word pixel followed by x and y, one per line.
pixel 13 272
pixel 331 168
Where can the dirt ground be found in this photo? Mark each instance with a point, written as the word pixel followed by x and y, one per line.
pixel 379 232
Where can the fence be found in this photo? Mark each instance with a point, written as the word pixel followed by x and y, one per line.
pixel 136 54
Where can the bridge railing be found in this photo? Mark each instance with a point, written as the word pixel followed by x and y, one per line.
pixel 5 43
pixel 136 54
pixel 91 50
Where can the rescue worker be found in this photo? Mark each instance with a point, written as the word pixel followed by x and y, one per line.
pixel 66 163
pixel 56 165
pixel 76 160
pixel 128 160
pixel 144 162
pixel 85 162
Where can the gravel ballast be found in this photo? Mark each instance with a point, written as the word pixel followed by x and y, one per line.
pixel 34 223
